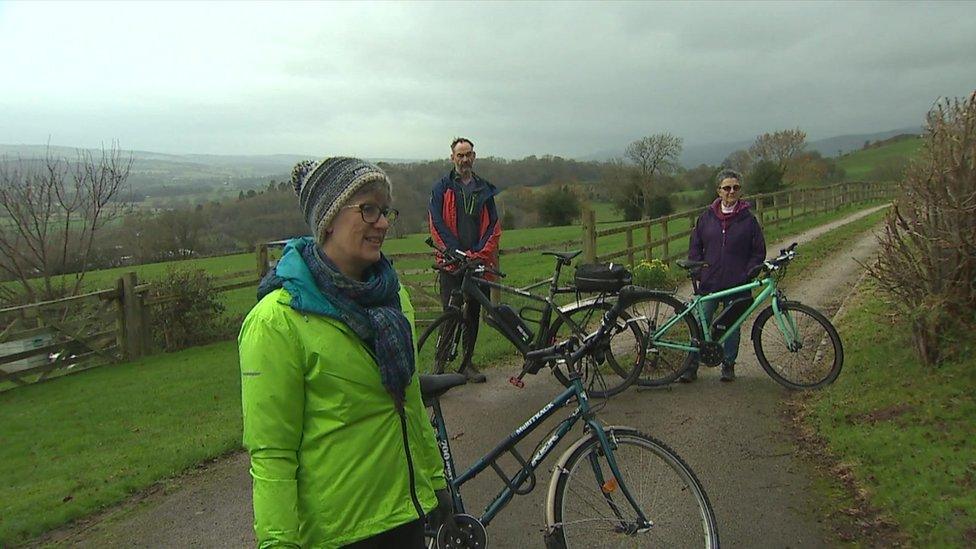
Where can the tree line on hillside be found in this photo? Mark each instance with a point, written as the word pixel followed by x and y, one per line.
pixel 645 186
pixel 536 191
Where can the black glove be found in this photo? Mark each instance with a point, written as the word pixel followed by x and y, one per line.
pixel 444 513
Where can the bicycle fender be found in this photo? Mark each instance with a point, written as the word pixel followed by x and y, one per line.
pixel 565 309
pixel 560 469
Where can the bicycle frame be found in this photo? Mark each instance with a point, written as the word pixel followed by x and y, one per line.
pixel 769 291
pixel 526 474
pixel 471 288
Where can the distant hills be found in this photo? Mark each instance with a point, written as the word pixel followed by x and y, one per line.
pixel 227 169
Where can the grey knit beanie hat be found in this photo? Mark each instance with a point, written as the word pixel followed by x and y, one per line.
pixel 324 187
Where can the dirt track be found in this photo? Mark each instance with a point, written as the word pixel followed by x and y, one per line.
pixel 732 435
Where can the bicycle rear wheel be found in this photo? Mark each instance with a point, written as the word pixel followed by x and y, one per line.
pixel 808 355
pixel 665 364
pixel 447 333
pixel 610 368
pixel 587 508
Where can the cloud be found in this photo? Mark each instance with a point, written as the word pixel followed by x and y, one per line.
pixel 401 79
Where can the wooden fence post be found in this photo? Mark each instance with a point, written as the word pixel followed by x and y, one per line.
pixel 667 241
pixel 630 246
pixel 647 241
pixel 261 255
pixel 589 235
pixel 792 200
pixel 133 318
pixel 759 210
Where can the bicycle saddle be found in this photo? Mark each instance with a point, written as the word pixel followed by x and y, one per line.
pixel 689 264
pixel 565 257
pixel 434 385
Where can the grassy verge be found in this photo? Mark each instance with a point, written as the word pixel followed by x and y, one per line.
pixel 76 444
pixel 901 434
pixel 73 445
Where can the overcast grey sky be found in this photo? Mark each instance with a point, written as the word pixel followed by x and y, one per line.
pixel 400 79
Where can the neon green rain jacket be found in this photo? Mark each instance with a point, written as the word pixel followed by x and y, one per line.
pixel 332 460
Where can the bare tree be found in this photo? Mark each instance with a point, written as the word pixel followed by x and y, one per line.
pixel 50 211
pixel 740 161
pixel 779 147
pixel 928 247
pixel 653 155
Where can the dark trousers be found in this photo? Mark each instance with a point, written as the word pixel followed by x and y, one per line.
pixel 449 283
pixel 405 536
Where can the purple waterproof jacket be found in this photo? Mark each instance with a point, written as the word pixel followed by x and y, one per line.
pixel 731 245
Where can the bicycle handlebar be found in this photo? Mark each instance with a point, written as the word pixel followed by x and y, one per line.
pixel 457 257
pixel 785 256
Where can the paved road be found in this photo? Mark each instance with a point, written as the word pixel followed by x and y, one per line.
pixel 732 435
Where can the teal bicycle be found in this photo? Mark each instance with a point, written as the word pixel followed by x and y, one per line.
pixel 795 344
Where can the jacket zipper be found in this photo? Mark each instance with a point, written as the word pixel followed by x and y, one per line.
pixel 406 447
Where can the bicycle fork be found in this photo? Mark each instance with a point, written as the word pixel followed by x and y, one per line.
pixel 787 327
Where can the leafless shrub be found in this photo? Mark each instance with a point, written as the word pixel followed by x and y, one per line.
pixel 928 247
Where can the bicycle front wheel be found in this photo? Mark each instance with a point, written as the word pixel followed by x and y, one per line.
pixel 612 367
pixel 587 507
pixel 664 363
pixel 447 334
pixel 801 349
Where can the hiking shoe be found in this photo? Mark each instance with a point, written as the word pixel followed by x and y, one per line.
pixel 688 376
pixel 728 372
pixel 473 375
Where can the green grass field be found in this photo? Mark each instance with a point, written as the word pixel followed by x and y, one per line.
pixel 73 445
pixel 905 430
pixel 858 164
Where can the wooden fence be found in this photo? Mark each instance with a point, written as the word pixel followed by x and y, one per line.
pixel 656 238
pixel 42 340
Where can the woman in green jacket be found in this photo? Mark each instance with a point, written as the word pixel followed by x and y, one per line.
pixel 342 453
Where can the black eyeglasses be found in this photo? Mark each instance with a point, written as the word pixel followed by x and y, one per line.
pixel 371 213
pixel 730 188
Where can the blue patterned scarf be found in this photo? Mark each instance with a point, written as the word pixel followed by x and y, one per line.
pixel 370 308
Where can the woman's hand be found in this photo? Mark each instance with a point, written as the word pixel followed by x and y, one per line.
pixel 444 513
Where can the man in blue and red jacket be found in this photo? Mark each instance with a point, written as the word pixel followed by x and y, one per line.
pixel 462 216
pixel 729 238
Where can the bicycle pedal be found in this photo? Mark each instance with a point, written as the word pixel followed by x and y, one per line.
pixel 514 380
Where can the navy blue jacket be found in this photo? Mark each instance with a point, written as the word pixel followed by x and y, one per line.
pixel 731 247
pixel 443 212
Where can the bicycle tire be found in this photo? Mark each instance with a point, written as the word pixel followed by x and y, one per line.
pixel 663 485
pixel 444 361
pixel 809 370
pixel 621 362
pixel 664 365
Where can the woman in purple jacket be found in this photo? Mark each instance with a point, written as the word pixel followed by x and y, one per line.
pixel 730 240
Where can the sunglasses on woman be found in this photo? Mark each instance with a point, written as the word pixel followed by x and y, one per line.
pixel 730 188
pixel 371 213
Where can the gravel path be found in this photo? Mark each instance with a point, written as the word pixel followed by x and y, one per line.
pixel 732 435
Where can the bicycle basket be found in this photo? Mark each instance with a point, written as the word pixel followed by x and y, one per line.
pixel 602 277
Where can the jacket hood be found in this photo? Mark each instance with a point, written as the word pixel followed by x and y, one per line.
pixel 293 275
pixel 740 207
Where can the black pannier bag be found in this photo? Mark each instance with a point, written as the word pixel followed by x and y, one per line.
pixel 602 277
pixel 729 315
